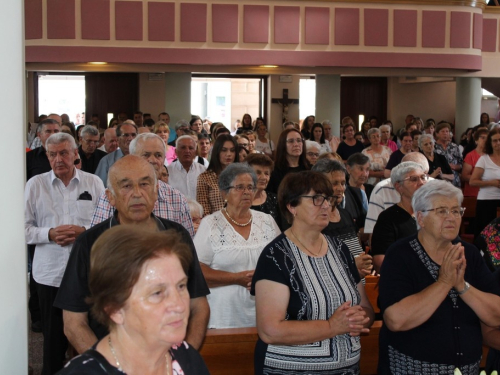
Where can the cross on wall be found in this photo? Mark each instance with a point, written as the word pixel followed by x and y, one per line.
pixel 285 101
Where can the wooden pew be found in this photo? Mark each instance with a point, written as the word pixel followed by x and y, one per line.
pixel 230 351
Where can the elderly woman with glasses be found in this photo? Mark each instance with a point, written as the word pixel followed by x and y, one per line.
pixel 398 221
pixel 229 243
pixel 311 304
pixel 435 292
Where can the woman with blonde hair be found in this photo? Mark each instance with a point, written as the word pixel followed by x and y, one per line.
pixel 163 131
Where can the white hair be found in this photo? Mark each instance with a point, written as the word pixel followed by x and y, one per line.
pixel 399 172
pixel 58 138
pixel 425 137
pixel 195 207
pixel 310 144
pixel 182 137
pixel 142 138
pixel 387 127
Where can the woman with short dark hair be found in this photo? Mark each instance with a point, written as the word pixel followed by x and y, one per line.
pixel 310 302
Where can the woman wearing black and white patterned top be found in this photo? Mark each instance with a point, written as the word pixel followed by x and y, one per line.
pixel 311 305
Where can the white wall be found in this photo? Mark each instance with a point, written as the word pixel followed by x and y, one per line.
pixel 426 100
pixel 13 270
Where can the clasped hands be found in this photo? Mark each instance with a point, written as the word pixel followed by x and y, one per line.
pixel 364 264
pixel 64 235
pixel 453 267
pixel 349 319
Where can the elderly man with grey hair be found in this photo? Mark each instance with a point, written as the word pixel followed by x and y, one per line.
pixel 384 195
pixel 180 126
pixel 125 132
pixel 184 172
pixel 171 204
pixel 398 221
pixel 58 207
pixel 89 154
pixel 133 192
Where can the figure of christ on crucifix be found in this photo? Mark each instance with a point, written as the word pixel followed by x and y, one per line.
pixel 284 102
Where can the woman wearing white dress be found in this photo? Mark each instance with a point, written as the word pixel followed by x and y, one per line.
pixel 229 243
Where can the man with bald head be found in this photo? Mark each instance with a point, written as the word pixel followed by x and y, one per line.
pixel 171 204
pixel 110 141
pixel 132 190
pixel 384 195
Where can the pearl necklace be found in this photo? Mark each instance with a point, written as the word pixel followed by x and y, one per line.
pixel 235 222
pixel 118 363
pixel 309 251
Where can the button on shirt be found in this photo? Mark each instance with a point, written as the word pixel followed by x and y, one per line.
pixel 185 181
pixel 48 204
pixel 171 205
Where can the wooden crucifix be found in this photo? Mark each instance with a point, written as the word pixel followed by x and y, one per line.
pixel 285 101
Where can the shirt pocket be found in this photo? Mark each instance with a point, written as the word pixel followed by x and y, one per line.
pixel 84 211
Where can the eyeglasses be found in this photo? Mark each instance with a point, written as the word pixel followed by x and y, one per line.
pixel 319 199
pixel 415 179
pixel 241 188
pixel 313 154
pixel 128 135
pixel 294 140
pixel 445 211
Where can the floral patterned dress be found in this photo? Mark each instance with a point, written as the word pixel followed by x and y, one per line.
pixel 378 161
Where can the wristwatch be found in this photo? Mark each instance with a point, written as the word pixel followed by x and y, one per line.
pixel 466 288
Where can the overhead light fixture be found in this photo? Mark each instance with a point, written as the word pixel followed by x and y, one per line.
pixel 269 66
pixel 98 63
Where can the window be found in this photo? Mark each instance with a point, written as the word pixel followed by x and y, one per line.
pixel 227 99
pixel 307 95
pixel 62 94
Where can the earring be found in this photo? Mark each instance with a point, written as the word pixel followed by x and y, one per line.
pixel 225 202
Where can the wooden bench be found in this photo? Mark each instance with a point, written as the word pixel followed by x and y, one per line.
pixel 230 351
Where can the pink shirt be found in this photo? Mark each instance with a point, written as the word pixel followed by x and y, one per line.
pixel 391 144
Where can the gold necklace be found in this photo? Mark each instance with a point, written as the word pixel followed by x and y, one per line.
pixel 309 251
pixel 235 222
pixel 118 363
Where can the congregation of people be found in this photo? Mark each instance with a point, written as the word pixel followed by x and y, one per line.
pixel 143 234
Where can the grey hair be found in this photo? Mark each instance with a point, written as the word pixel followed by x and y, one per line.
pixel 399 172
pixel 195 207
pixel 423 197
pixel 58 138
pixel 90 130
pixel 310 144
pixel 493 125
pixel 327 122
pixel 372 131
pixel 328 166
pixel 185 137
pixel 180 123
pixel 388 127
pixel 232 171
pixel 423 137
pixel 142 137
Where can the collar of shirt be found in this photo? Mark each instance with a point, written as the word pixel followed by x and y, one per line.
pixel 177 164
pixel 114 221
pixel 76 176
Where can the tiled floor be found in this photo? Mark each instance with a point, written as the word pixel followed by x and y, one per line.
pixel 35 350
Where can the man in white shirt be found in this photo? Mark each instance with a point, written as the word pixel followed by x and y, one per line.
pixel 58 208
pixel 184 172
pixel 384 195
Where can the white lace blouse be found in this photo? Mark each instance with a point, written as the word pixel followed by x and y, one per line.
pixel 221 248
